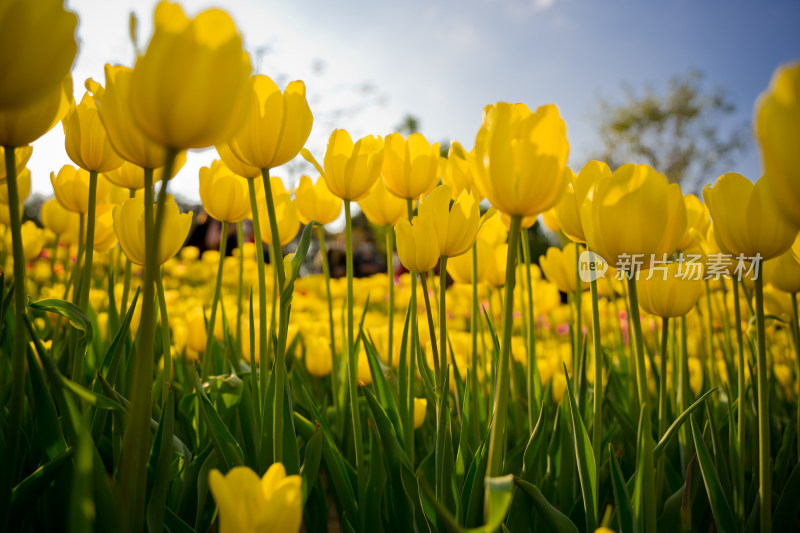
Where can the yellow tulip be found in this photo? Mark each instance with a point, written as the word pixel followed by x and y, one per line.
pixel 493 230
pixel 550 220
pixel 350 169
pixel 58 219
pixel 191 87
pixel 104 236
pixel 456 226
pixel 382 207
pixel 236 165
pixel 697 220
pixel 23 186
pixel 669 293
pixel 85 138
pixel 417 244
pixel 420 410
pixel 225 195
pixel 460 268
pixel 783 272
pixel 745 217
pixel 23 125
pixel 286 216
pixel 247 503
pixel 521 157
pixel 635 211
pixel 129 227
pixel 499 257
pixel 72 188
pixel 32 240
pixel 113 104
pixel 316 202
pixel 777 125
pixel 317 356
pixel 37 40
pixel 277 124
pixel 525 222
pixel 568 210
pixel 410 167
pixel 559 266
pixel 21 157
pixel 459 170
pixel 131 176
pixel 5 215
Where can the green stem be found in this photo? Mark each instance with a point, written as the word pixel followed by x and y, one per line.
pixel 262 304
pixel 240 290
pixel 276 257
pixel 165 339
pixel 54 261
pixel 764 459
pixel 662 403
pixel 712 370
pixel 20 335
pixel 498 433
pixel 641 369
pixel 796 342
pixel 126 283
pixel 474 317
pixel 390 304
pixel 597 407
pixel 432 330
pixel 77 269
pixel 533 381
pixel 90 223
pixel 326 272
pixel 133 471
pixel 443 323
pixel 223 243
pixel 351 352
pixel 578 317
pixel 741 422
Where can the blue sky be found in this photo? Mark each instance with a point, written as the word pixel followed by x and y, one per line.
pixel 442 61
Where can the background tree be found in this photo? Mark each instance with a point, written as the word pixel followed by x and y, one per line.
pixel 685 132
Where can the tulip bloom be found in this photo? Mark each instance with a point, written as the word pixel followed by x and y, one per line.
pixel 58 219
pixel 316 202
pixel 224 194
pixel 459 169
pixel 85 138
pixel 456 226
pixel 319 362
pixel 635 211
pixel 129 227
pixel 113 104
pixel 777 125
pixel 669 293
pixel 29 33
pixel 247 503
pixel 277 125
pixel 191 87
pixel 32 240
pixel 783 272
pixel 559 267
pixel 351 169
pixel 23 125
pixel 417 244
pixel 460 268
pixel 21 157
pixel 520 157
pixel 285 214
pixel 745 218
pixel 236 165
pixel 71 186
pixel 568 210
pixel 420 410
pixel 381 207
pixel 410 167
pixel 23 187
pixel 697 220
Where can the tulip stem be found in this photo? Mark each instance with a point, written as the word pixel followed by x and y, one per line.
pixel 133 471
pixel 533 381
pixel 390 304
pixel 796 339
pixel 126 283
pixel 276 256
pixel 648 503
pixel 351 355
pixel 662 402
pixel 764 459
pixel 262 300
pixel 326 272
pixel 474 317
pixel 432 330
pixel 166 344
pixel 409 373
pixel 87 264
pixel 77 272
pixel 740 428
pixel 20 336
pixel 498 433
pixel 443 323
pixel 223 243
pixel 240 290
pixel 597 414
pixel 578 318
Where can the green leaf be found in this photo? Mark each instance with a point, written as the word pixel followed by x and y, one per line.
pixel 723 516
pixel 224 442
pixel 159 466
pixel 382 390
pixel 297 260
pixel 498 499
pixel 519 513
pixel 622 500
pixel 30 488
pixel 675 426
pixel 785 515
pixel 555 519
pixel 311 460
pixel 587 469
pixel 48 427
